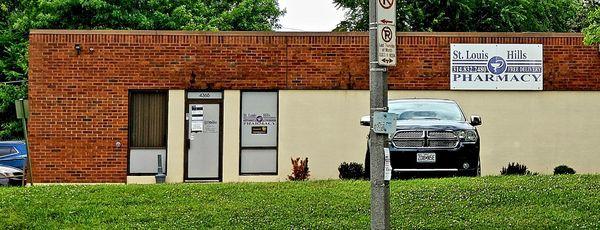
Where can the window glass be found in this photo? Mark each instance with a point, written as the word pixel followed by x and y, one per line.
pixel 148 129
pixel 426 110
pixel 6 150
pixel 148 120
pixel 258 160
pixel 259 122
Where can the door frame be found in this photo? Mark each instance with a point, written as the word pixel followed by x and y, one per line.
pixel 219 102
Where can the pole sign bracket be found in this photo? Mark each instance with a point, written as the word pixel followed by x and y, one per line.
pixel 386 32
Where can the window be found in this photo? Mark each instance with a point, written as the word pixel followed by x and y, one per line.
pixel 259 122
pixel 6 150
pixel 148 131
pixel 148 120
pixel 426 110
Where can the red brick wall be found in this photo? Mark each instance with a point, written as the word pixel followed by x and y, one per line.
pixel 79 102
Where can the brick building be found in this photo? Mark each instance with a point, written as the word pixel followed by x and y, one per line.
pixel 106 104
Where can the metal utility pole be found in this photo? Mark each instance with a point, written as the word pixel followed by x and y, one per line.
pixel 382 53
pixel 22 107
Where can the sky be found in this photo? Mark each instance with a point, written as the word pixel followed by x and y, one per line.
pixel 309 15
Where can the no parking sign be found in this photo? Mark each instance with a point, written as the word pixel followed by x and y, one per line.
pixel 386 32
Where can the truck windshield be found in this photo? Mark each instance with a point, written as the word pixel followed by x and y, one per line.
pixel 426 110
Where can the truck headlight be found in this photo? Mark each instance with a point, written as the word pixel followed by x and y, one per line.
pixel 460 134
pixel 471 136
pixel 467 135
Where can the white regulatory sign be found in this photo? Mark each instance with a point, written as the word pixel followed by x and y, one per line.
pixel 388 165
pixel 386 32
pixel 386 12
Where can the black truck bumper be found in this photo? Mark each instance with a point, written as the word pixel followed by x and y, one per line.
pixel 462 160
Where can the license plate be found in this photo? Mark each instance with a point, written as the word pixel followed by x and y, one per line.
pixel 425 157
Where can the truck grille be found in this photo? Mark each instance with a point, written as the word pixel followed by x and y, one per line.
pixel 409 134
pixel 442 143
pixel 408 143
pixel 425 139
pixel 441 135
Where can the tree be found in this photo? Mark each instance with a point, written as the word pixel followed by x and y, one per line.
pixel 13 68
pixel 592 32
pixel 17 17
pixel 471 15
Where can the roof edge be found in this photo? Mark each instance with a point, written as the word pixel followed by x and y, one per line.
pixel 294 34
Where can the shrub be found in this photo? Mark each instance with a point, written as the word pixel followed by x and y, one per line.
pixel 299 169
pixel 515 169
pixel 563 169
pixel 352 170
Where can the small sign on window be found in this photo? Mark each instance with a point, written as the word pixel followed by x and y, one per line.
pixel 197 114
pixel 259 129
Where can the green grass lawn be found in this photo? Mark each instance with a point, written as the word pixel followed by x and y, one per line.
pixel 487 202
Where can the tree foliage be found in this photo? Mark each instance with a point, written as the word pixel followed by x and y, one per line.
pixel 592 32
pixel 13 68
pixel 151 14
pixel 17 17
pixel 472 15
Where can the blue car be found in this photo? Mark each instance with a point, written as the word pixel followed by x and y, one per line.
pixel 13 153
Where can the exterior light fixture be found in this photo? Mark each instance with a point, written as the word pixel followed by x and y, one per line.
pixel 193 79
pixel 78 48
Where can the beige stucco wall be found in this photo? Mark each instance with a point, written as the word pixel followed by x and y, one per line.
pixel 322 125
pixel 176 135
pixel 231 133
pixel 541 129
pixel 141 180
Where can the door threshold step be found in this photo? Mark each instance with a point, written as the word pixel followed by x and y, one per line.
pixel 200 181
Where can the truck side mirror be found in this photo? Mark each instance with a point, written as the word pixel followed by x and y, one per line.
pixel 475 120
pixel 365 121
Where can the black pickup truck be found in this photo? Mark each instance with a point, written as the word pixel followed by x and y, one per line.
pixel 432 137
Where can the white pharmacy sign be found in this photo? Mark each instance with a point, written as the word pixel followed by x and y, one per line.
pixel 386 32
pixel 496 67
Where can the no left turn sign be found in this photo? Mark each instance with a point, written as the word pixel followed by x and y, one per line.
pixel 386 4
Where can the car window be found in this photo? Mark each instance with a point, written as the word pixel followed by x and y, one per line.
pixel 6 150
pixel 426 110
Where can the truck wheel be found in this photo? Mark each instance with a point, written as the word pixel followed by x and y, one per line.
pixel 478 174
pixel 477 171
